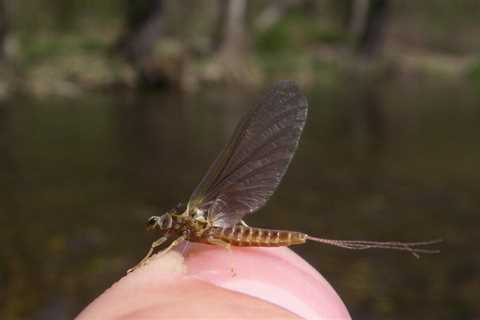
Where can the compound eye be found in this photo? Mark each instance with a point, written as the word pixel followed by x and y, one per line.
pixel 151 222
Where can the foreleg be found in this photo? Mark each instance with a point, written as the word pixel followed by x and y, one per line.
pixel 154 245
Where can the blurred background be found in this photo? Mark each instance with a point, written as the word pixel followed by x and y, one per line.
pixel 111 111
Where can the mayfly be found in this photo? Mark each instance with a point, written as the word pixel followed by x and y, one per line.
pixel 244 176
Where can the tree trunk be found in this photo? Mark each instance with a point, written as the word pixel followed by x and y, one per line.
pixel 368 24
pixel 233 63
pixel 234 39
pixel 218 32
pixel 143 29
pixel 3 30
pixel 277 10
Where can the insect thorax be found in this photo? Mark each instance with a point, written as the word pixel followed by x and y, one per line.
pixel 191 226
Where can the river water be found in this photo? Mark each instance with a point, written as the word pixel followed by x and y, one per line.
pixel 79 176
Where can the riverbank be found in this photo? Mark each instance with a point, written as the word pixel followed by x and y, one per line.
pixel 70 64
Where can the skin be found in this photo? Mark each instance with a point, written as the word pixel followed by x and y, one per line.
pixel 211 282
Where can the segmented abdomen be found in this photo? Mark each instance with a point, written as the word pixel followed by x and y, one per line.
pixel 257 237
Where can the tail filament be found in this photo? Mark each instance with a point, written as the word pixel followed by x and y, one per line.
pixel 412 247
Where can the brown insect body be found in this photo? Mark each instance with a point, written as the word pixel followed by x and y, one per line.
pixel 257 237
pixel 195 230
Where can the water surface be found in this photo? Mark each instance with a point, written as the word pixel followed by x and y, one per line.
pixel 78 178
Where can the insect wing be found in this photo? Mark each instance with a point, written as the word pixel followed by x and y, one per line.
pixel 250 167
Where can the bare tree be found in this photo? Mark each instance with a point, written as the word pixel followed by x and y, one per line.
pixel 276 11
pixel 358 20
pixel 233 62
pixel 3 30
pixel 219 31
pixel 143 29
pixel 367 25
pixel 234 44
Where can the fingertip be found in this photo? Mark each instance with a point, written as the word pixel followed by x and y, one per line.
pixel 161 289
pixel 276 275
pixel 133 291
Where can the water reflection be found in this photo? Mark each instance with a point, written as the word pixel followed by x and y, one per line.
pixel 79 177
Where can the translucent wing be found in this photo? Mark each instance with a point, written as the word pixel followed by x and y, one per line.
pixel 250 167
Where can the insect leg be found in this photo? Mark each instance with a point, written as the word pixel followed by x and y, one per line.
pixel 219 242
pixel 227 246
pixel 244 224
pixel 171 245
pixel 155 244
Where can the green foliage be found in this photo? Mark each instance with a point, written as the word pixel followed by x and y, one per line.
pixel 295 31
pixel 277 48
pixel 474 73
pixel 275 38
pixel 60 15
pixel 41 47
